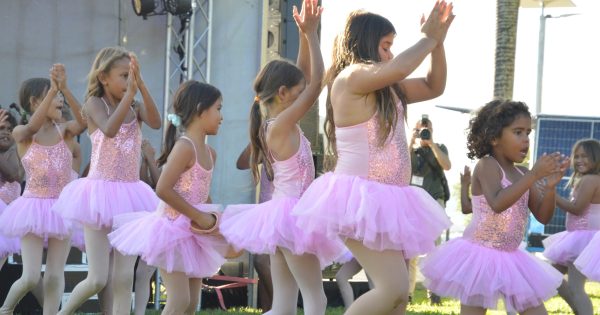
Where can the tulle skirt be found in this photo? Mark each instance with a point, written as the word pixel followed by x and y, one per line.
pixel 28 215
pixel 169 244
pixel 588 261
pixel 8 245
pixel 95 202
pixel 383 217
pixel 480 276
pixel 564 247
pixel 261 228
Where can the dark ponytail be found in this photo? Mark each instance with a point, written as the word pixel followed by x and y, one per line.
pixel 36 88
pixel 258 152
pixel 170 138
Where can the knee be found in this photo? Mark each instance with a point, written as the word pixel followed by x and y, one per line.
pixel 97 284
pixel 30 281
pixel 53 280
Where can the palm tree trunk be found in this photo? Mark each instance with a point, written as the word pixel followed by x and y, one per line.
pixel 507 16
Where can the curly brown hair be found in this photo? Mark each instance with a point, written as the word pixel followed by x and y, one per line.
pixel 488 123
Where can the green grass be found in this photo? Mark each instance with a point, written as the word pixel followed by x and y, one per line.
pixel 421 305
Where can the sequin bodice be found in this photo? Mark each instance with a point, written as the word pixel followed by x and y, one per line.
pixel 588 220
pixel 193 186
pixel 503 231
pixel 117 159
pixel 293 176
pixel 360 154
pixel 9 191
pixel 47 169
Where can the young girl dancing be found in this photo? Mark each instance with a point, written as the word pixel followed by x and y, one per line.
pixel 284 93
pixel 367 200
pixel 177 237
pixel 486 264
pixel 46 159
pixel 112 186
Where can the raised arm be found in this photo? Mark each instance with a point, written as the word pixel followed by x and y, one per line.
pixel 465 184
pixel 303 61
pixel 542 204
pixel 24 133
pixel 148 112
pixel 286 120
pixel 96 109
pixel 366 78
pixel 77 126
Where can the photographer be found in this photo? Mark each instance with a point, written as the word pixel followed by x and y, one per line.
pixel 429 160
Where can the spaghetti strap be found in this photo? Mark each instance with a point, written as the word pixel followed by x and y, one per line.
pixel 106 105
pixel 193 145
pixel 502 170
pixel 58 130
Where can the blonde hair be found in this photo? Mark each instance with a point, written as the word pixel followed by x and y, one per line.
pixel 102 64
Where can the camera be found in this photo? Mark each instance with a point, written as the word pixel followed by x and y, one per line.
pixel 425 133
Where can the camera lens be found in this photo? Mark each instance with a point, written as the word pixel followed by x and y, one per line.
pixel 425 134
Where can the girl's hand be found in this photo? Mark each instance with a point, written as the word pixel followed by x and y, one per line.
pixel 200 224
pixel 53 80
pixel 465 176
pixel 554 178
pixel 148 150
pixel 309 16
pixel 132 86
pixel 59 74
pixel 138 75
pixel 439 20
pixel 546 165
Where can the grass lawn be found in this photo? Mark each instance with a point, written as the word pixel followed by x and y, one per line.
pixel 421 305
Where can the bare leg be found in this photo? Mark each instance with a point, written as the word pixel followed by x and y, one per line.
pixel 32 248
pixel 389 274
pixel 342 277
pixel 195 287
pixel 307 272
pixel 38 292
pixel 412 274
pixel 582 301
pixel 122 283
pixel 98 253
pixel 54 276
pixel 565 292
pixel 143 275
pixel 178 292
pixel 285 289
pixel 262 265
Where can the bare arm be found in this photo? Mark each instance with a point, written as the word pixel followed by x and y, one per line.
pixel 465 184
pixel 586 189
pixel 487 181
pixel 147 110
pixel 10 167
pixel 181 158
pixel 24 133
pixel 303 61
pixel 77 126
pixel 431 86
pixel 286 120
pixel 365 79
pixel 96 109
pixel 243 161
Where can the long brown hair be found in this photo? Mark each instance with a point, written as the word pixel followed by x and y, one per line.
pixel 359 43
pixel 274 75
pixel 191 99
pixel 591 147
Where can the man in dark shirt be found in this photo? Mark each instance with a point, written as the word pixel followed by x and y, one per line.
pixel 429 160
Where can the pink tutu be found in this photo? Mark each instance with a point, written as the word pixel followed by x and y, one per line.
pixel 564 247
pixel 33 215
pixel 383 217
pixel 95 202
pixel 170 244
pixel 261 228
pixel 480 276
pixel 588 261
pixel 77 239
pixel 8 245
